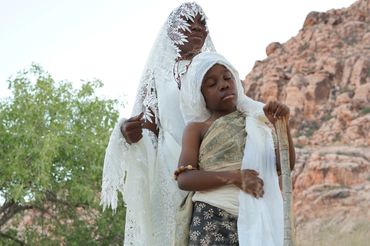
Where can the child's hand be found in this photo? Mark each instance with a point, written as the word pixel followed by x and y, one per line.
pixel 250 183
pixel 275 110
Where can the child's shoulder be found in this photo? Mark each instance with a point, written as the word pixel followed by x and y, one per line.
pixel 195 126
pixel 196 129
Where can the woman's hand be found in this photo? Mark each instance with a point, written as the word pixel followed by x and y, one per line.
pixel 132 129
pixel 275 110
pixel 248 181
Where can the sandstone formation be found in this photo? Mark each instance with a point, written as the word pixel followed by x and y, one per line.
pixel 323 75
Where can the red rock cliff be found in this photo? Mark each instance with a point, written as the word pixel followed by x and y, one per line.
pixel 323 75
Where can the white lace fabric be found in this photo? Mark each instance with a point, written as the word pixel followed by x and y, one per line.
pixel 143 172
pixel 260 221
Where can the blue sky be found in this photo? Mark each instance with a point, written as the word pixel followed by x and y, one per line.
pixel 110 39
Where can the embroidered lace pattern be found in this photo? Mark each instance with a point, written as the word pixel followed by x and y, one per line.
pixel 148 94
pixel 177 23
pixel 153 138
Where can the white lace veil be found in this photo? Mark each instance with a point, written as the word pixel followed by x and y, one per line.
pixel 142 172
pixel 161 60
pixel 260 221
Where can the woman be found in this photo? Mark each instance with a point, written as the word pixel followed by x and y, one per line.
pixel 140 164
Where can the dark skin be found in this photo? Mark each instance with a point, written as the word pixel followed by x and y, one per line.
pixel 219 92
pixel 195 37
pixel 132 128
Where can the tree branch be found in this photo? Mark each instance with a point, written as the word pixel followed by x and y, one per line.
pixel 12 208
pixel 12 238
pixel 52 197
pixel 5 206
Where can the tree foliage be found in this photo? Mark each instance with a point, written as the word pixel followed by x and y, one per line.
pixel 52 142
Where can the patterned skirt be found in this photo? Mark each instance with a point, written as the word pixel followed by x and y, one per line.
pixel 212 226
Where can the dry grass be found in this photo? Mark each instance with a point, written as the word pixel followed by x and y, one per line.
pixel 334 235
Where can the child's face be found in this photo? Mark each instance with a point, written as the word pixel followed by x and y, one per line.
pixel 218 89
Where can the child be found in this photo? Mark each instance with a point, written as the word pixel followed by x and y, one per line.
pixel 228 158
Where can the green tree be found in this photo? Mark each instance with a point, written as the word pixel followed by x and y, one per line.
pixel 52 142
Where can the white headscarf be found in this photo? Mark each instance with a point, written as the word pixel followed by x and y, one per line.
pixel 260 221
pixel 192 104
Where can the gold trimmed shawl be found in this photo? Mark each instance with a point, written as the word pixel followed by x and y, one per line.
pixel 223 144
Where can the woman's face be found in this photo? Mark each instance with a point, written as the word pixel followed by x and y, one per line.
pixel 196 37
pixel 218 89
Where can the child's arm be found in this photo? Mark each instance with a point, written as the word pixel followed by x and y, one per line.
pixel 198 180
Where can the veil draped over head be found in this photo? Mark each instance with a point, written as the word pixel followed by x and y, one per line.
pixel 260 221
pixel 165 51
pixel 142 172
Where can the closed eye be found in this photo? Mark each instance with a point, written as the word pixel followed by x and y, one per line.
pixel 210 83
pixel 227 76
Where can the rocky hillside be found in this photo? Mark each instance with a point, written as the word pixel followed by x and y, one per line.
pixel 323 75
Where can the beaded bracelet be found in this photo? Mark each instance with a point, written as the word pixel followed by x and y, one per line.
pixel 182 169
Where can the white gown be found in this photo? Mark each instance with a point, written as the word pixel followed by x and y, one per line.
pixel 143 172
